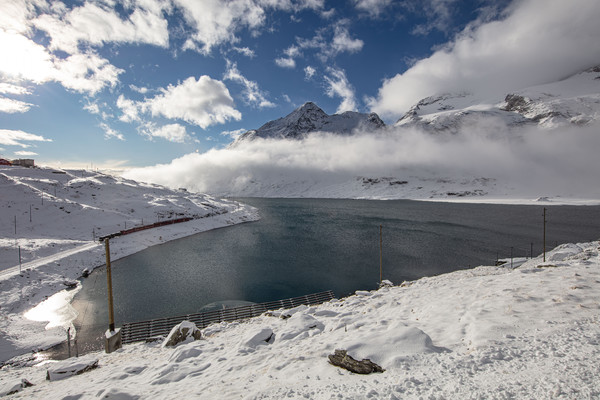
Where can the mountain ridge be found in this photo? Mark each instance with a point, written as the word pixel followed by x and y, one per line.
pixel 310 118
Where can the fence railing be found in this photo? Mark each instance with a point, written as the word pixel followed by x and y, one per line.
pixel 143 330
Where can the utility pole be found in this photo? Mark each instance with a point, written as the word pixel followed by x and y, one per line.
pixel 111 315
pixel 112 336
pixel 30 213
pixel 544 234
pixel 380 254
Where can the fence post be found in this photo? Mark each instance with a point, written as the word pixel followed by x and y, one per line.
pixel 69 341
pixel 544 234
pixel 380 254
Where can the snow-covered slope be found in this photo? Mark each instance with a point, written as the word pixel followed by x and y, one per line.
pixel 574 100
pixel 310 118
pixel 50 221
pixel 487 333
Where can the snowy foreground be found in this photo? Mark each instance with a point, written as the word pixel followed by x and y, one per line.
pixel 485 333
pixel 53 219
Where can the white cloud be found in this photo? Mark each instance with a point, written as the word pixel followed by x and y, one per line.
pixel 141 90
pixel 372 7
pixel 285 62
pixel 29 61
pixel 234 134
pixel 8 88
pixel 216 22
pixel 309 72
pixel 292 52
pixel 129 108
pixel 96 25
pixel 10 137
pixel 245 51
pixel 16 14
pixel 92 108
pixel 538 41
pixel 561 166
pixel 110 133
pixel 203 102
pixel 338 86
pixel 252 93
pixel 25 153
pixel 11 106
pixel 342 42
pixel 86 72
pixel 171 132
pixel 289 60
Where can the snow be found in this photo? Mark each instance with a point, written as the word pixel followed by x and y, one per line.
pixel 310 118
pixel 574 100
pixel 491 332
pixel 59 216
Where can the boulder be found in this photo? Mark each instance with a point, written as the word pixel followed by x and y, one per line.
pixel 70 367
pixel 183 332
pixel 14 387
pixel 341 359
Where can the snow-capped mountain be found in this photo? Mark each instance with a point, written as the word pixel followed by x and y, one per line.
pixel 310 118
pixel 574 100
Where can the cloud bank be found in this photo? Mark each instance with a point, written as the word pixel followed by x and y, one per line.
pixel 529 162
pixel 538 41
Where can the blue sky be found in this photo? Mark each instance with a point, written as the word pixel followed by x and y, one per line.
pixel 142 82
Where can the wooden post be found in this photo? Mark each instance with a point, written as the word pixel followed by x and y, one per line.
pixel 544 234
pixel 19 259
pixel 531 250
pixel 69 340
pixel 380 254
pixel 111 315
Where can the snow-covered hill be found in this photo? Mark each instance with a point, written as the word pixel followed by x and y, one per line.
pixel 574 100
pixel 486 333
pixel 310 118
pixel 50 221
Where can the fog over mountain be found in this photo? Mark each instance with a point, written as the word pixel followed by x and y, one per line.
pixel 538 141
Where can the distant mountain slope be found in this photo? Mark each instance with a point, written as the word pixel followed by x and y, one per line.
pixel 310 118
pixel 574 100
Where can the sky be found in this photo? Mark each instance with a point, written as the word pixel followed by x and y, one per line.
pixel 135 83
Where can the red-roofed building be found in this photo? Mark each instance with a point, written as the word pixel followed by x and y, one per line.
pixel 4 162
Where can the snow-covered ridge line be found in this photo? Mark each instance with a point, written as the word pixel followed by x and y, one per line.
pixel 50 221
pixel 488 332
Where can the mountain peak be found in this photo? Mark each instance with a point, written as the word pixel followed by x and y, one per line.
pixel 310 118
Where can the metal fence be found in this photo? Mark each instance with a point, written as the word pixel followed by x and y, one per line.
pixel 143 330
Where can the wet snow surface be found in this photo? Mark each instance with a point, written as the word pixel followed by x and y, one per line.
pixel 485 333
pixel 55 218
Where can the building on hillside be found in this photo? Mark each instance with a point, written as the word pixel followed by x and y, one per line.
pixel 4 162
pixel 24 162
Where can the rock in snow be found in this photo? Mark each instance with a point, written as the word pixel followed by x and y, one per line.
pixel 183 332
pixel 70 367
pixel 341 359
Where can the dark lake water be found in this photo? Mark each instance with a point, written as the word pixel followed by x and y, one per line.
pixel 303 246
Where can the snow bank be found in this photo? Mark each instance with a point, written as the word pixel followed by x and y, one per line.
pixel 489 332
pixel 50 221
